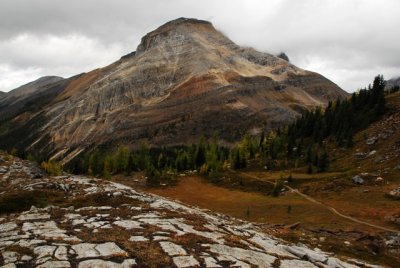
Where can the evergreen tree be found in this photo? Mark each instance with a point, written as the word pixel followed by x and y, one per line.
pixel 200 156
pixel 310 168
pixel 121 159
pixel 95 165
pixel 323 162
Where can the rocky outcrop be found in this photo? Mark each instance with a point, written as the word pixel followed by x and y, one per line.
pixel 133 229
pixel 184 80
pixel 283 56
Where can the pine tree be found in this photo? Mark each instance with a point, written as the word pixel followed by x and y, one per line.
pixel 310 168
pixel 131 164
pixel 121 159
pixel 200 157
pixel 323 162
pixel 108 167
pixel 95 165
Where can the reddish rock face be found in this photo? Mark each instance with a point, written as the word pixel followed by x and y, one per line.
pixel 185 79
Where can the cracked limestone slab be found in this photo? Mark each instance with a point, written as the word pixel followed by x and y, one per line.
pixel 128 224
pixel 185 261
pixel 253 257
pixel 73 216
pixel 61 253
pixel 94 208
pixel 160 238
pixel 10 257
pixel 33 216
pixel 85 250
pixel 147 215
pixel 138 238
pixel 44 251
pixel 26 258
pixel 8 226
pixel 88 250
pixel 106 264
pixel 10 265
pixel 303 252
pixel 55 264
pixel 29 243
pixel 271 246
pixel 110 249
pixel 78 222
pixel 297 264
pixel 49 230
pixel 173 249
pixel 210 262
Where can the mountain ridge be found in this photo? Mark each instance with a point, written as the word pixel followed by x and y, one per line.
pixel 395 81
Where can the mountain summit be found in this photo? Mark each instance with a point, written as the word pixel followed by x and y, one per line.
pixel 185 79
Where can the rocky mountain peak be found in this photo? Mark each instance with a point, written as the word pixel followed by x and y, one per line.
pixel 178 31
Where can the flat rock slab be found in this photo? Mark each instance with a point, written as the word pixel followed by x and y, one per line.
pixel 303 252
pixel 61 253
pixel 271 246
pixel 44 251
pixel 110 249
pixel 87 250
pixel 250 256
pixel 210 262
pixel 8 226
pixel 138 238
pixel 10 256
pixel 297 264
pixel 185 261
pixel 106 264
pixel 128 224
pixel 55 264
pixel 34 216
pixel 10 265
pixel 173 249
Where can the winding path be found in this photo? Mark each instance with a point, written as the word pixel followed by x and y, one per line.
pixel 309 198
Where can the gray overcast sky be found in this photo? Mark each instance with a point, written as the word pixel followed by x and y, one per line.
pixel 348 41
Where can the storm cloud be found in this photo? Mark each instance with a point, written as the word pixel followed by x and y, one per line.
pixel 348 41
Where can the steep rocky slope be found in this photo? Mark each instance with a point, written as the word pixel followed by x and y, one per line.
pixel 184 80
pixel 95 223
pixel 30 96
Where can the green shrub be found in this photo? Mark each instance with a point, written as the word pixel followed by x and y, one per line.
pixel 52 167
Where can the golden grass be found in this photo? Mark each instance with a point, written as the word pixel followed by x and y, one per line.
pixel 262 208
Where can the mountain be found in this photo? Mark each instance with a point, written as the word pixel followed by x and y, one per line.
pixel 2 94
pixel 393 82
pixel 185 79
pixel 27 97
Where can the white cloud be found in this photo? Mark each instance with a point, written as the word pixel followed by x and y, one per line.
pixel 11 77
pixel 28 57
